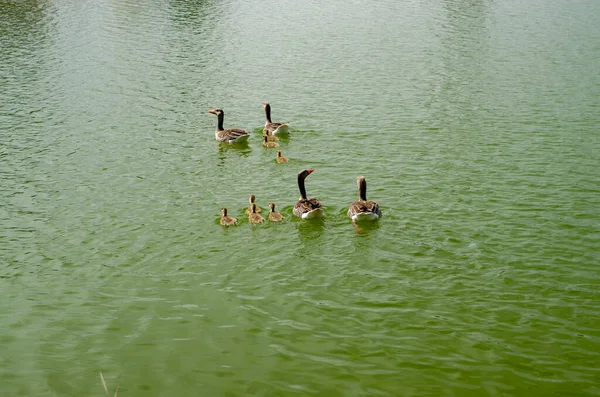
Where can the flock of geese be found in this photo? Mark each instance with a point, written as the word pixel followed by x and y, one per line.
pixel 305 208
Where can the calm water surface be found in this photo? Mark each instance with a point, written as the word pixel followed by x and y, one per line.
pixel 474 122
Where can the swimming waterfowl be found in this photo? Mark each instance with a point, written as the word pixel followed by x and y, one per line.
pixel 270 138
pixel 271 127
pixel 249 209
pixel 280 158
pixel 267 143
pixel 274 216
pixel 363 209
pixel 254 217
pixel 231 135
pixel 227 220
pixel 307 208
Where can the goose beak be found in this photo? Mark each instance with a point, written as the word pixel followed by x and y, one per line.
pixel 310 170
pixel 213 111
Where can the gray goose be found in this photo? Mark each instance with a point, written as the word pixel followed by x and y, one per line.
pixel 231 135
pixel 272 128
pixel 307 208
pixel 363 209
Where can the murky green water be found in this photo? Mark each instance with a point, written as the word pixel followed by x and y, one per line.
pixel 474 122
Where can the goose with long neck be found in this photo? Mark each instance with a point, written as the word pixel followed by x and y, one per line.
pixel 272 128
pixel 231 135
pixel 306 208
pixel 363 209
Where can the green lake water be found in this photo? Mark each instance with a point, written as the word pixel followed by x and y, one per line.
pixel 474 122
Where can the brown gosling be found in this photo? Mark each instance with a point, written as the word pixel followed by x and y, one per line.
pixel 270 137
pixel 274 216
pixel 254 217
pixel 280 158
pixel 267 143
pixel 227 220
pixel 249 209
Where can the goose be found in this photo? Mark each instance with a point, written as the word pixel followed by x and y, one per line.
pixel 231 135
pixel 271 127
pixel 267 143
pixel 254 217
pixel 270 138
pixel 363 209
pixel 227 220
pixel 280 158
pixel 249 209
pixel 274 216
pixel 307 208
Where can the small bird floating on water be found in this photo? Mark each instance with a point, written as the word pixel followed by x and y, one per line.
pixel 267 143
pixel 270 138
pixel 252 199
pixel 231 135
pixel 227 220
pixel 255 217
pixel 307 208
pixel 272 128
pixel 280 158
pixel 274 216
pixel 363 209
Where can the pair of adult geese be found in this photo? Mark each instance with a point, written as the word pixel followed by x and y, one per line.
pixel 305 208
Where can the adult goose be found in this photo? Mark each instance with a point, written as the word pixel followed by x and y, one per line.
pixel 231 135
pixel 227 220
pixel 307 208
pixel 272 128
pixel 363 209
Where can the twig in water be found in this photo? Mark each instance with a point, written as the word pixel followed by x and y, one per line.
pixel 103 384
pixel 106 388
